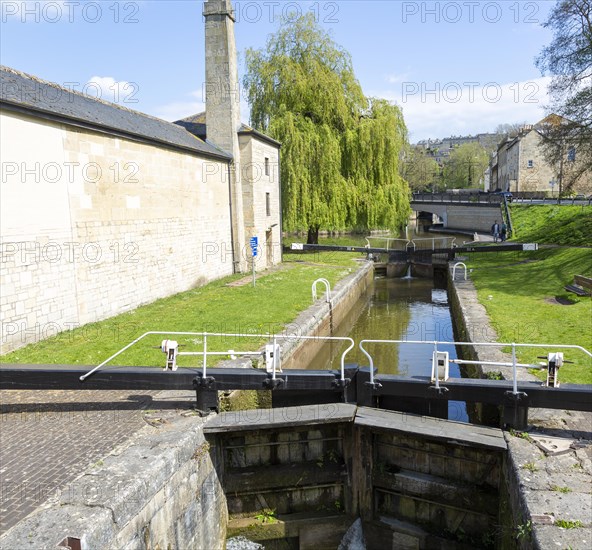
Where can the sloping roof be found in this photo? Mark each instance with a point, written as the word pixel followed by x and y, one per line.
pixel 196 124
pixel 244 129
pixel 24 92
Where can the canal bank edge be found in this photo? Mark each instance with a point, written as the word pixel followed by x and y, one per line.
pixel 322 317
pixel 549 497
pixel 139 496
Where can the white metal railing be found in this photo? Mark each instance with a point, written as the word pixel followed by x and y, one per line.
pixel 204 353
pixel 454 270
pixel 446 242
pixel 327 289
pixel 514 364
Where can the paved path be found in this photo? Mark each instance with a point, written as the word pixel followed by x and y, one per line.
pixel 49 438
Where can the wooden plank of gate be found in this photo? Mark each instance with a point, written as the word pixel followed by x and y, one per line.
pixel 431 428
pixel 288 417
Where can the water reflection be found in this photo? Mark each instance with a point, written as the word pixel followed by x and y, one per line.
pixel 398 309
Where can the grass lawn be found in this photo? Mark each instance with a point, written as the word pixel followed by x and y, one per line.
pixel 276 301
pixel 562 225
pixel 526 288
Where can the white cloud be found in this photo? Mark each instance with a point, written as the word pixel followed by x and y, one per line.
pixel 434 110
pixel 108 89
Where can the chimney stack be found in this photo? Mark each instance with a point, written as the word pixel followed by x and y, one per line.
pixel 221 87
pixel 223 107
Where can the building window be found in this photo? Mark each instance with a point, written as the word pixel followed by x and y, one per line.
pixel 571 154
pixel 267 168
pixel 531 164
pixel 268 203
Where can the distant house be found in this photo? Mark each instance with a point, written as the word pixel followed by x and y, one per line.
pixel 440 149
pixel 519 164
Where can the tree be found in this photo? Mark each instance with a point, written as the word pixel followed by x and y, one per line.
pixel 569 60
pixel 421 171
pixel 340 150
pixel 466 166
pixel 507 130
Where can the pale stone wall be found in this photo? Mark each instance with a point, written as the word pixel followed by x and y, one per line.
pixel 503 177
pixel 93 226
pixel 511 169
pixel 472 218
pixel 258 189
pixel 524 168
pixel 536 175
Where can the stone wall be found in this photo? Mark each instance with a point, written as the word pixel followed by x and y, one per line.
pixel 322 317
pixel 522 167
pixel 94 226
pixel 472 218
pixel 534 172
pixel 261 197
pixel 161 491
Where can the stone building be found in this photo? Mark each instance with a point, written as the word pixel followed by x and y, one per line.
pixel 519 164
pixel 104 208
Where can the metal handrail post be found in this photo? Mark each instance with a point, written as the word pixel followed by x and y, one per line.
pixel 274 358
pixel 370 361
pixel 205 353
pixel 343 358
pixel 435 357
pixel 514 370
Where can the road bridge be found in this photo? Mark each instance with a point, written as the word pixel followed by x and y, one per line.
pixel 462 211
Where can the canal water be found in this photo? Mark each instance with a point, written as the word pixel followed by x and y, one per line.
pixel 406 309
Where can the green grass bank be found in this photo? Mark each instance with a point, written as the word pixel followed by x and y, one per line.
pixel 560 225
pixel 219 307
pixel 523 292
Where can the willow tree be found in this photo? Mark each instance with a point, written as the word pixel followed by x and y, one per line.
pixel 340 150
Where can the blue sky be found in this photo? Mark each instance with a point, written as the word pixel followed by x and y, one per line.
pixel 454 67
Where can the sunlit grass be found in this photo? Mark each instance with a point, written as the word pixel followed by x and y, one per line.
pixel 562 225
pixel 276 301
pixel 520 293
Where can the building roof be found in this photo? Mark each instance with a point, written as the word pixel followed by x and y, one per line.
pixel 26 93
pixel 196 124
